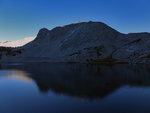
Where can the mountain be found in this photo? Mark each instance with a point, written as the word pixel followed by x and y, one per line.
pixel 92 42
pixel 17 43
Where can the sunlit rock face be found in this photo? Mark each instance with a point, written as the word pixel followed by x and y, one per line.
pixel 91 42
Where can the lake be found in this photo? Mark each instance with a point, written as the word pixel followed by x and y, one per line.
pixel 74 88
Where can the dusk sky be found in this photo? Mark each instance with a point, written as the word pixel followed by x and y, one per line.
pixel 24 18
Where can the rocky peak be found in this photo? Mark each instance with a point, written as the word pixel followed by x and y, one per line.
pixel 42 33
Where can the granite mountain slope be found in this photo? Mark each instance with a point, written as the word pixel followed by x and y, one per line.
pixel 92 42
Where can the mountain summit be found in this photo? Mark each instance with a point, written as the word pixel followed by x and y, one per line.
pixel 93 42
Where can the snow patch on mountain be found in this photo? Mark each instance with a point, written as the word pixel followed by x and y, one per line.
pixel 17 43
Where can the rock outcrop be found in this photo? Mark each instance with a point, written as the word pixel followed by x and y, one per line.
pixel 92 42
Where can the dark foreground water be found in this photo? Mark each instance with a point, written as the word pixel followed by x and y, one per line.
pixel 74 88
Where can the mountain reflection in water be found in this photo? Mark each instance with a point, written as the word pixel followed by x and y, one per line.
pixel 17 74
pixel 74 88
pixel 80 80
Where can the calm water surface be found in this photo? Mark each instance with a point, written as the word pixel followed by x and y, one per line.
pixel 74 88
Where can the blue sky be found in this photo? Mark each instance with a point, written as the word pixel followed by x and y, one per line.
pixel 24 18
